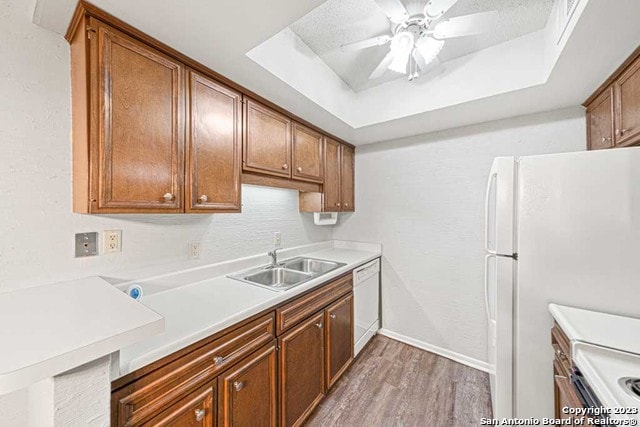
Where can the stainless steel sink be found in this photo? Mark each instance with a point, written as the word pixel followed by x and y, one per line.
pixel 311 265
pixel 287 274
pixel 278 277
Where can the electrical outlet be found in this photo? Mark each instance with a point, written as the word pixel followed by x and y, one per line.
pixel 277 240
pixel 111 241
pixel 194 250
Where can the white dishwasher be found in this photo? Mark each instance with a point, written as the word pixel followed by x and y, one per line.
pixel 366 300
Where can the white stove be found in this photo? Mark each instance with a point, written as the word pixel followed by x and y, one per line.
pixel 614 377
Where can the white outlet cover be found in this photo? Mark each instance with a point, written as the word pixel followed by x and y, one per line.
pixel 111 241
pixel 194 250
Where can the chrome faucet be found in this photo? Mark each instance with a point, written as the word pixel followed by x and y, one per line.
pixel 274 257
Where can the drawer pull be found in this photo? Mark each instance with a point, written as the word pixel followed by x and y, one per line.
pixel 218 360
pixel 238 385
pixel 168 197
pixel 200 413
pixel 203 199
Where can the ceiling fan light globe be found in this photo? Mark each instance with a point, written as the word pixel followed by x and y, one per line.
pixel 429 48
pixel 399 64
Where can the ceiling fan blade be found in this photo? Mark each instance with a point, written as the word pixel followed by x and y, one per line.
pixel 468 25
pixel 364 44
pixel 437 8
pixel 382 66
pixel 422 63
pixel 394 9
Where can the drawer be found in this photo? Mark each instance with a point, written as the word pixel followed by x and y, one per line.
pixel 137 402
pixel 299 309
pixel 561 348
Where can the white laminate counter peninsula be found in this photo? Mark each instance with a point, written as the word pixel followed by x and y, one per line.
pixel 198 303
pixel 48 330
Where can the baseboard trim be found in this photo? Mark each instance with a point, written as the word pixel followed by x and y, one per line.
pixel 456 357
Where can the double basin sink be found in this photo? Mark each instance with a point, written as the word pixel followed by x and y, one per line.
pixel 287 274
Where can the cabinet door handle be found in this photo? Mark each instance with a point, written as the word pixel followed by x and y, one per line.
pixel 218 360
pixel 203 199
pixel 605 139
pixel 333 316
pixel 319 325
pixel 238 385
pixel 620 132
pixel 200 413
pixel 346 205
pixel 337 205
pixel 285 166
pixel 299 168
pixel 168 197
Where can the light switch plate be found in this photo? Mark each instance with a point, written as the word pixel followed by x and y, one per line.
pixel 86 244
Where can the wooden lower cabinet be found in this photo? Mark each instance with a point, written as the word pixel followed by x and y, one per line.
pixel 339 338
pixel 197 409
pixel 268 371
pixel 301 370
pixel 248 391
pixel 565 395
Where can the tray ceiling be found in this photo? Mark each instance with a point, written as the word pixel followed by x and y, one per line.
pixel 337 22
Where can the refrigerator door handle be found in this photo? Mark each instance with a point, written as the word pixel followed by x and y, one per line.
pixel 486 285
pixel 492 174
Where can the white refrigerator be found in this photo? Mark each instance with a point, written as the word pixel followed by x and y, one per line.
pixel 561 228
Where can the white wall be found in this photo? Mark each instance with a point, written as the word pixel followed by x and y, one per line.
pixel 36 223
pixel 423 199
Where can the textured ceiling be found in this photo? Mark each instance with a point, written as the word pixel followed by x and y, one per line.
pixel 337 22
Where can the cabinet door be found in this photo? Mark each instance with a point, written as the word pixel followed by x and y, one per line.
pixel 308 154
pixel 627 94
pixel 301 371
pixel 600 122
pixel 213 148
pixel 339 338
pixel 332 170
pixel 267 142
pixel 565 395
pixel 248 392
pixel 195 410
pixel 140 109
pixel 347 163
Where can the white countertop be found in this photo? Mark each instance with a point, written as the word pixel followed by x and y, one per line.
pixel 606 330
pixel 605 348
pixel 195 311
pixel 48 330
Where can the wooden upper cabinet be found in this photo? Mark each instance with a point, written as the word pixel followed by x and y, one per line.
pixel 339 338
pixel 332 192
pixel 627 95
pixel 301 371
pixel 248 391
pixel 613 111
pixel 197 409
pixel 214 146
pixel 139 138
pixel 267 141
pixel 308 154
pixel 347 163
pixel 600 122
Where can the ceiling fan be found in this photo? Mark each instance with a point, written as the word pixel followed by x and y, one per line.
pixel 415 43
